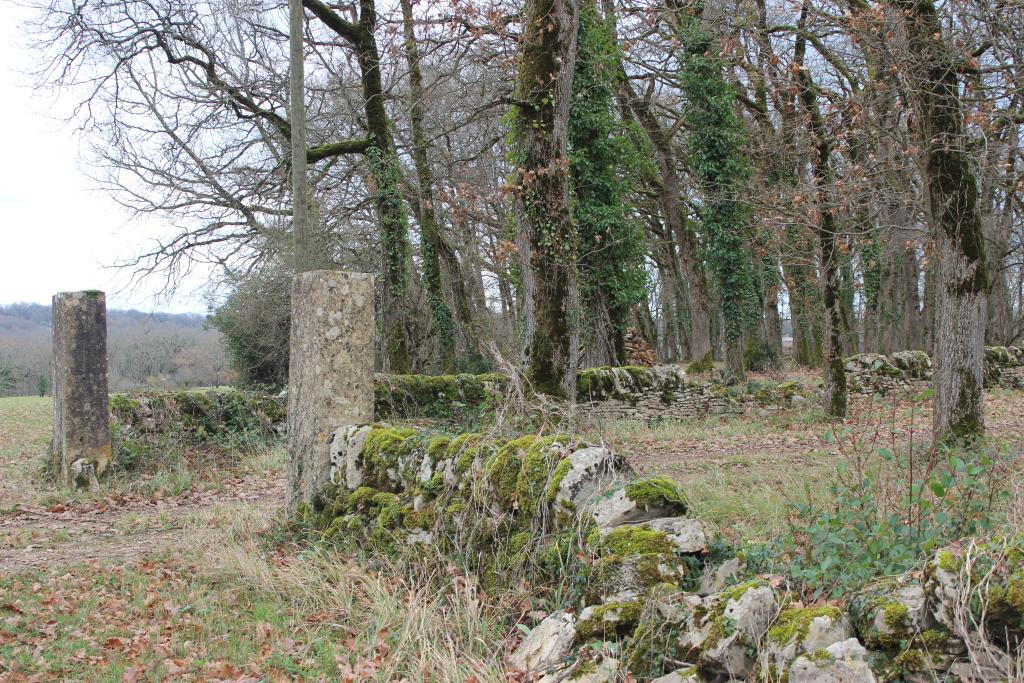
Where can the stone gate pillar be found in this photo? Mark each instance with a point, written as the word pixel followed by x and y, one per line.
pixel 330 371
pixel 81 418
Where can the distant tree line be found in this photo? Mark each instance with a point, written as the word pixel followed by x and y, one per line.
pixel 144 349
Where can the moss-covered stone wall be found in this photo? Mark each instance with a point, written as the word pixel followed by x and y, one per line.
pixel 507 505
pixel 871 373
pixel 436 396
pixel 203 412
pixel 629 392
pixel 635 569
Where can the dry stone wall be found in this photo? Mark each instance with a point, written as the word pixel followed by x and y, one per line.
pixel 629 392
pixel 645 573
pixel 874 373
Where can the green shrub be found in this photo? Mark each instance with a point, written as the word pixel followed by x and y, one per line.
pixel 886 512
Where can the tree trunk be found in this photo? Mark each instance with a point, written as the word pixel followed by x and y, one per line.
pixel 547 239
pixel 430 249
pixel 398 308
pixel 961 277
pixel 835 374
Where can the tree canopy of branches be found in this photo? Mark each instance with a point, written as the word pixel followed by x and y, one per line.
pixel 823 177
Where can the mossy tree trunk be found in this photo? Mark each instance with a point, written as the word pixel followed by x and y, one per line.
pixel 397 302
pixel 717 157
pixel 961 278
pixel 547 239
pixel 821 171
pixel 612 248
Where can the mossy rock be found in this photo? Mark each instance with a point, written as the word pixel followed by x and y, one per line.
pixel 998 600
pixel 630 540
pixel 634 575
pixel 887 613
pixel 382 449
pixel 793 623
pixel 610 620
pixel 658 492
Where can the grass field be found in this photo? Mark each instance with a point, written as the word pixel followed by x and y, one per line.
pixel 25 431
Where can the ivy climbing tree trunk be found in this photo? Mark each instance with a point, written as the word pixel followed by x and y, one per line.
pixel 397 308
pixel 717 157
pixel 835 373
pixel 691 289
pixel 959 260
pixel 547 240
pixel 612 249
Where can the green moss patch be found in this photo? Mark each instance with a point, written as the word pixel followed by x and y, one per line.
pixel 609 620
pixel 630 540
pixel 794 623
pixel 657 492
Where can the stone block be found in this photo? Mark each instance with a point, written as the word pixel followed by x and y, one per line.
pixel 81 420
pixel 330 372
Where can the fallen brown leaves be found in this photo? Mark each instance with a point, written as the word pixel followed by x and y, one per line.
pixel 146 621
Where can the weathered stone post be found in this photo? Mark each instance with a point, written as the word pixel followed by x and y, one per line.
pixel 81 418
pixel 330 371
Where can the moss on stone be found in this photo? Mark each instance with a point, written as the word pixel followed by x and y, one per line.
pixel 594 383
pixel 720 628
pixel 613 573
pixel 610 619
pixel 933 639
pixel 420 519
pixel 363 496
pixel 896 616
pixel 437 448
pixel 463 450
pixel 561 469
pixel 948 562
pixel 630 540
pixel 391 515
pixel 435 484
pixel 794 623
pixel 502 471
pixel 656 492
pixel 384 499
pixel 911 660
pixel 381 450
pixel 642 378
pixel 533 477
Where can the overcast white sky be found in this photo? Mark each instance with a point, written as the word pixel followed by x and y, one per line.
pixel 57 231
